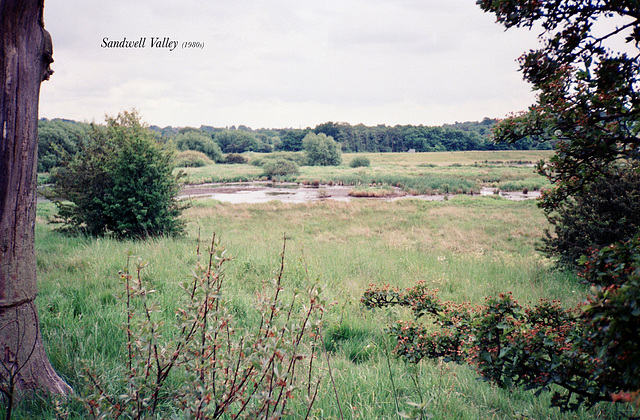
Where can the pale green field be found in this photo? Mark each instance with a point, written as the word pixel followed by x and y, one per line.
pixel 448 158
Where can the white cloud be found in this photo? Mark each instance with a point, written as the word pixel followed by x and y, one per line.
pixel 274 63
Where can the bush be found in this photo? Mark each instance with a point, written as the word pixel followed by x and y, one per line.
pixel 591 350
pixel 193 139
pixel 297 157
pixel 280 168
pixel 239 141
pixel 192 159
pixel 119 183
pixel 235 158
pixel 321 150
pixel 606 213
pixel 359 161
pixel 205 362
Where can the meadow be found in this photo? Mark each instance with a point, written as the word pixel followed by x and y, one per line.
pixel 417 173
pixel 466 247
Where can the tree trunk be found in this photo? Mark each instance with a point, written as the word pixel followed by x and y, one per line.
pixel 25 55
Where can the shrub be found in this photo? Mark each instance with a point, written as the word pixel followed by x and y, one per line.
pixel 119 183
pixel 222 368
pixel 235 158
pixel 191 159
pixel 609 211
pixel 280 168
pixel 297 157
pixel 321 150
pixel 359 161
pixel 591 351
pixel 238 141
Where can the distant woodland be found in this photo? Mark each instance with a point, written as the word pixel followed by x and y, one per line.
pixel 60 138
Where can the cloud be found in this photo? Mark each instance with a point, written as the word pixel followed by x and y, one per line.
pixel 277 63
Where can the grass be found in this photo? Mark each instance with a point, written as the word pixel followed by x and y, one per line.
pixel 467 247
pixel 419 173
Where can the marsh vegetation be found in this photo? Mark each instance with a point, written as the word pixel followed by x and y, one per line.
pixel 467 247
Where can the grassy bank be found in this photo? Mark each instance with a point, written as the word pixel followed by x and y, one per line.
pixel 468 248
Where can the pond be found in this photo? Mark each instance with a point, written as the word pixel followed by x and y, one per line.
pixel 262 192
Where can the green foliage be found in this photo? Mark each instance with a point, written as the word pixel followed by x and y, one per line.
pixel 291 140
pixel 119 183
pixel 296 157
pixel 191 159
pixel 223 367
pixel 58 141
pixel 612 315
pixel 235 158
pixel 591 350
pixel 359 161
pixel 608 212
pixel 589 106
pixel 401 138
pixel 280 168
pixel 199 141
pixel 588 99
pixel 239 141
pixel 321 150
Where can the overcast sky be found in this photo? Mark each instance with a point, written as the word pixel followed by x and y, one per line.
pixel 284 63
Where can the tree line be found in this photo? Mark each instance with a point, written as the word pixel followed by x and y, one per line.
pixel 59 138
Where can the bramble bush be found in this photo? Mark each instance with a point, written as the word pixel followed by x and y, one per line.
pixel 205 364
pixel 592 351
pixel 119 183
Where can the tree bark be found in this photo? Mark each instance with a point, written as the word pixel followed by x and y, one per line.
pixel 25 55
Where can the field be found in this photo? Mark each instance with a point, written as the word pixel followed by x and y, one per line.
pixel 419 173
pixel 467 247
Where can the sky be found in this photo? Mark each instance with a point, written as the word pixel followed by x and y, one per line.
pixel 284 63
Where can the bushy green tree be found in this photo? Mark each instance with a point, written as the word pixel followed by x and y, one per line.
pixel 291 139
pixel 607 212
pixel 120 183
pixel 589 107
pixel 321 150
pixel 239 141
pixel 279 168
pixel 588 100
pixel 192 139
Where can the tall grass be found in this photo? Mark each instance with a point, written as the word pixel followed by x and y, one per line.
pixel 467 247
